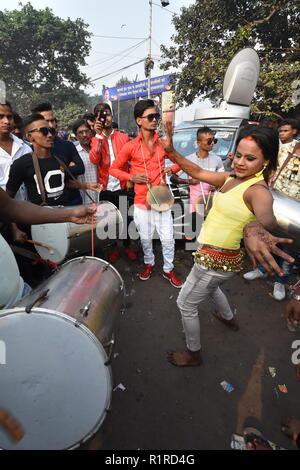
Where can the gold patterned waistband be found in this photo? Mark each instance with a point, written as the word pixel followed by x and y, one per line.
pixel 220 259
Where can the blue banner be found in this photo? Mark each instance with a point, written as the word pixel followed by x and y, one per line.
pixel 139 89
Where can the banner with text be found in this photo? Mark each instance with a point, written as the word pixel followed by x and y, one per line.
pixel 139 89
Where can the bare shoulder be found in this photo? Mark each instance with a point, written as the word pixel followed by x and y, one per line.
pixel 258 192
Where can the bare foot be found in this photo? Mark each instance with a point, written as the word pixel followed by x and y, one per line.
pixel 291 427
pixel 185 358
pixel 232 324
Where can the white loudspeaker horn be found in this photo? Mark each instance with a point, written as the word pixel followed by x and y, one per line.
pixel 2 92
pixel 241 77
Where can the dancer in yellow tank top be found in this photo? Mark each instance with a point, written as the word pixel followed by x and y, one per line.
pixel 243 197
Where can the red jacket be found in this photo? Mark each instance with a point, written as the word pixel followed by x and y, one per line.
pixel 153 166
pixel 99 155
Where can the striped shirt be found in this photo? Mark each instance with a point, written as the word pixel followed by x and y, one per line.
pixel 90 175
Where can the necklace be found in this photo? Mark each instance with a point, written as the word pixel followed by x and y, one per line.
pixel 161 174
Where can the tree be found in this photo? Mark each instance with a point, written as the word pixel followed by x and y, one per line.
pixel 41 55
pixel 67 115
pixel 208 34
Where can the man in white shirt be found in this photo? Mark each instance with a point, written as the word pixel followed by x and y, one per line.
pixel 287 132
pixel 11 147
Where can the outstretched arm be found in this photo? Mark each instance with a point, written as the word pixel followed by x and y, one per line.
pixel 26 213
pixel 211 177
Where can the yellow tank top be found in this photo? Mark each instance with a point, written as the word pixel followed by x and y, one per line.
pixel 228 216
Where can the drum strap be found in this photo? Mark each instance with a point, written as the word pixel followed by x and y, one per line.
pixel 72 176
pixel 282 168
pixel 37 171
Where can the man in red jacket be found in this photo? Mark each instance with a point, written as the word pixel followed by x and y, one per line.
pixel 147 167
pixel 105 147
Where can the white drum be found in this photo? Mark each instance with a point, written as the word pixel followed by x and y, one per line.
pixel 56 382
pixel 68 240
pixel 11 284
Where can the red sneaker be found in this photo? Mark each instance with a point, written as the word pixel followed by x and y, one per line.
pixel 146 273
pixel 173 278
pixel 114 256
pixel 130 254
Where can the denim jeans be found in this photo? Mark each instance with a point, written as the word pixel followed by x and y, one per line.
pixel 200 284
pixel 284 265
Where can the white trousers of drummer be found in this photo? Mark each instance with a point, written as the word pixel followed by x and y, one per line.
pixel 146 222
pixel 200 284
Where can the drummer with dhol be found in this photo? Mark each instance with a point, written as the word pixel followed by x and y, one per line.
pixel 147 157
pixel 45 178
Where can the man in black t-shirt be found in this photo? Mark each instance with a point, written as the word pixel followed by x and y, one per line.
pixel 66 151
pixel 55 179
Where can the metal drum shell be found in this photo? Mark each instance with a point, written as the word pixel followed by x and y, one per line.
pixel 287 213
pixel 68 239
pixel 84 282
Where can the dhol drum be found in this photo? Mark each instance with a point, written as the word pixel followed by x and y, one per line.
pixel 12 284
pixel 286 211
pixel 66 240
pixel 57 380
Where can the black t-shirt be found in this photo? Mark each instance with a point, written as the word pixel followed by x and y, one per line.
pixel 54 177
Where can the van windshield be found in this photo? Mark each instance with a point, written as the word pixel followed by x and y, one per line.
pixel 185 142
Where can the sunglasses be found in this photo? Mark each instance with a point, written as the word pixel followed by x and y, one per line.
pixel 44 130
pixel 212 141
pixel 151 117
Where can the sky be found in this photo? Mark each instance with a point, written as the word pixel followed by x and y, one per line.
pixel 122 18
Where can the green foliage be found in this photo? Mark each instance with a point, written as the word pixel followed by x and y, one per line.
pixel 40 56
pixel 68 115
pixel 208 34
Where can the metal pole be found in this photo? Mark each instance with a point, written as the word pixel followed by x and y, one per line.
pixel 150 49
pixel 119 113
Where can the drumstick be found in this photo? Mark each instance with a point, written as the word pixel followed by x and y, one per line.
pixel 203 195
pixel 11 425
pixel 208 198
pixel 32 242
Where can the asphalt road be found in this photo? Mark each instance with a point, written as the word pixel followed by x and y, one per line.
pixel 166 407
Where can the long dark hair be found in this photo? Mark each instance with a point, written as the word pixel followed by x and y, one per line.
pixel 267 140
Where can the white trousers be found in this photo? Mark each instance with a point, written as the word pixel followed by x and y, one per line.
pixel 200 284
pixel 146 222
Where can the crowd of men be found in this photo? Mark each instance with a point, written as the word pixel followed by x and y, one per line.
pixel 38 164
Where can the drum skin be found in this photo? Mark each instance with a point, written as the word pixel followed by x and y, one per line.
pixel 68 240
pixel 66 325
pixel 11 284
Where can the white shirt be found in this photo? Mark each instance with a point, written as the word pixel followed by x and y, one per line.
pixel 19 148
pixel 90 174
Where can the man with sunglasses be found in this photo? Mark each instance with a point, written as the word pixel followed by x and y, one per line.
pixel 147 157
pixel 105 147
pixel 54 179
pixel 66 151
pixel 206 159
